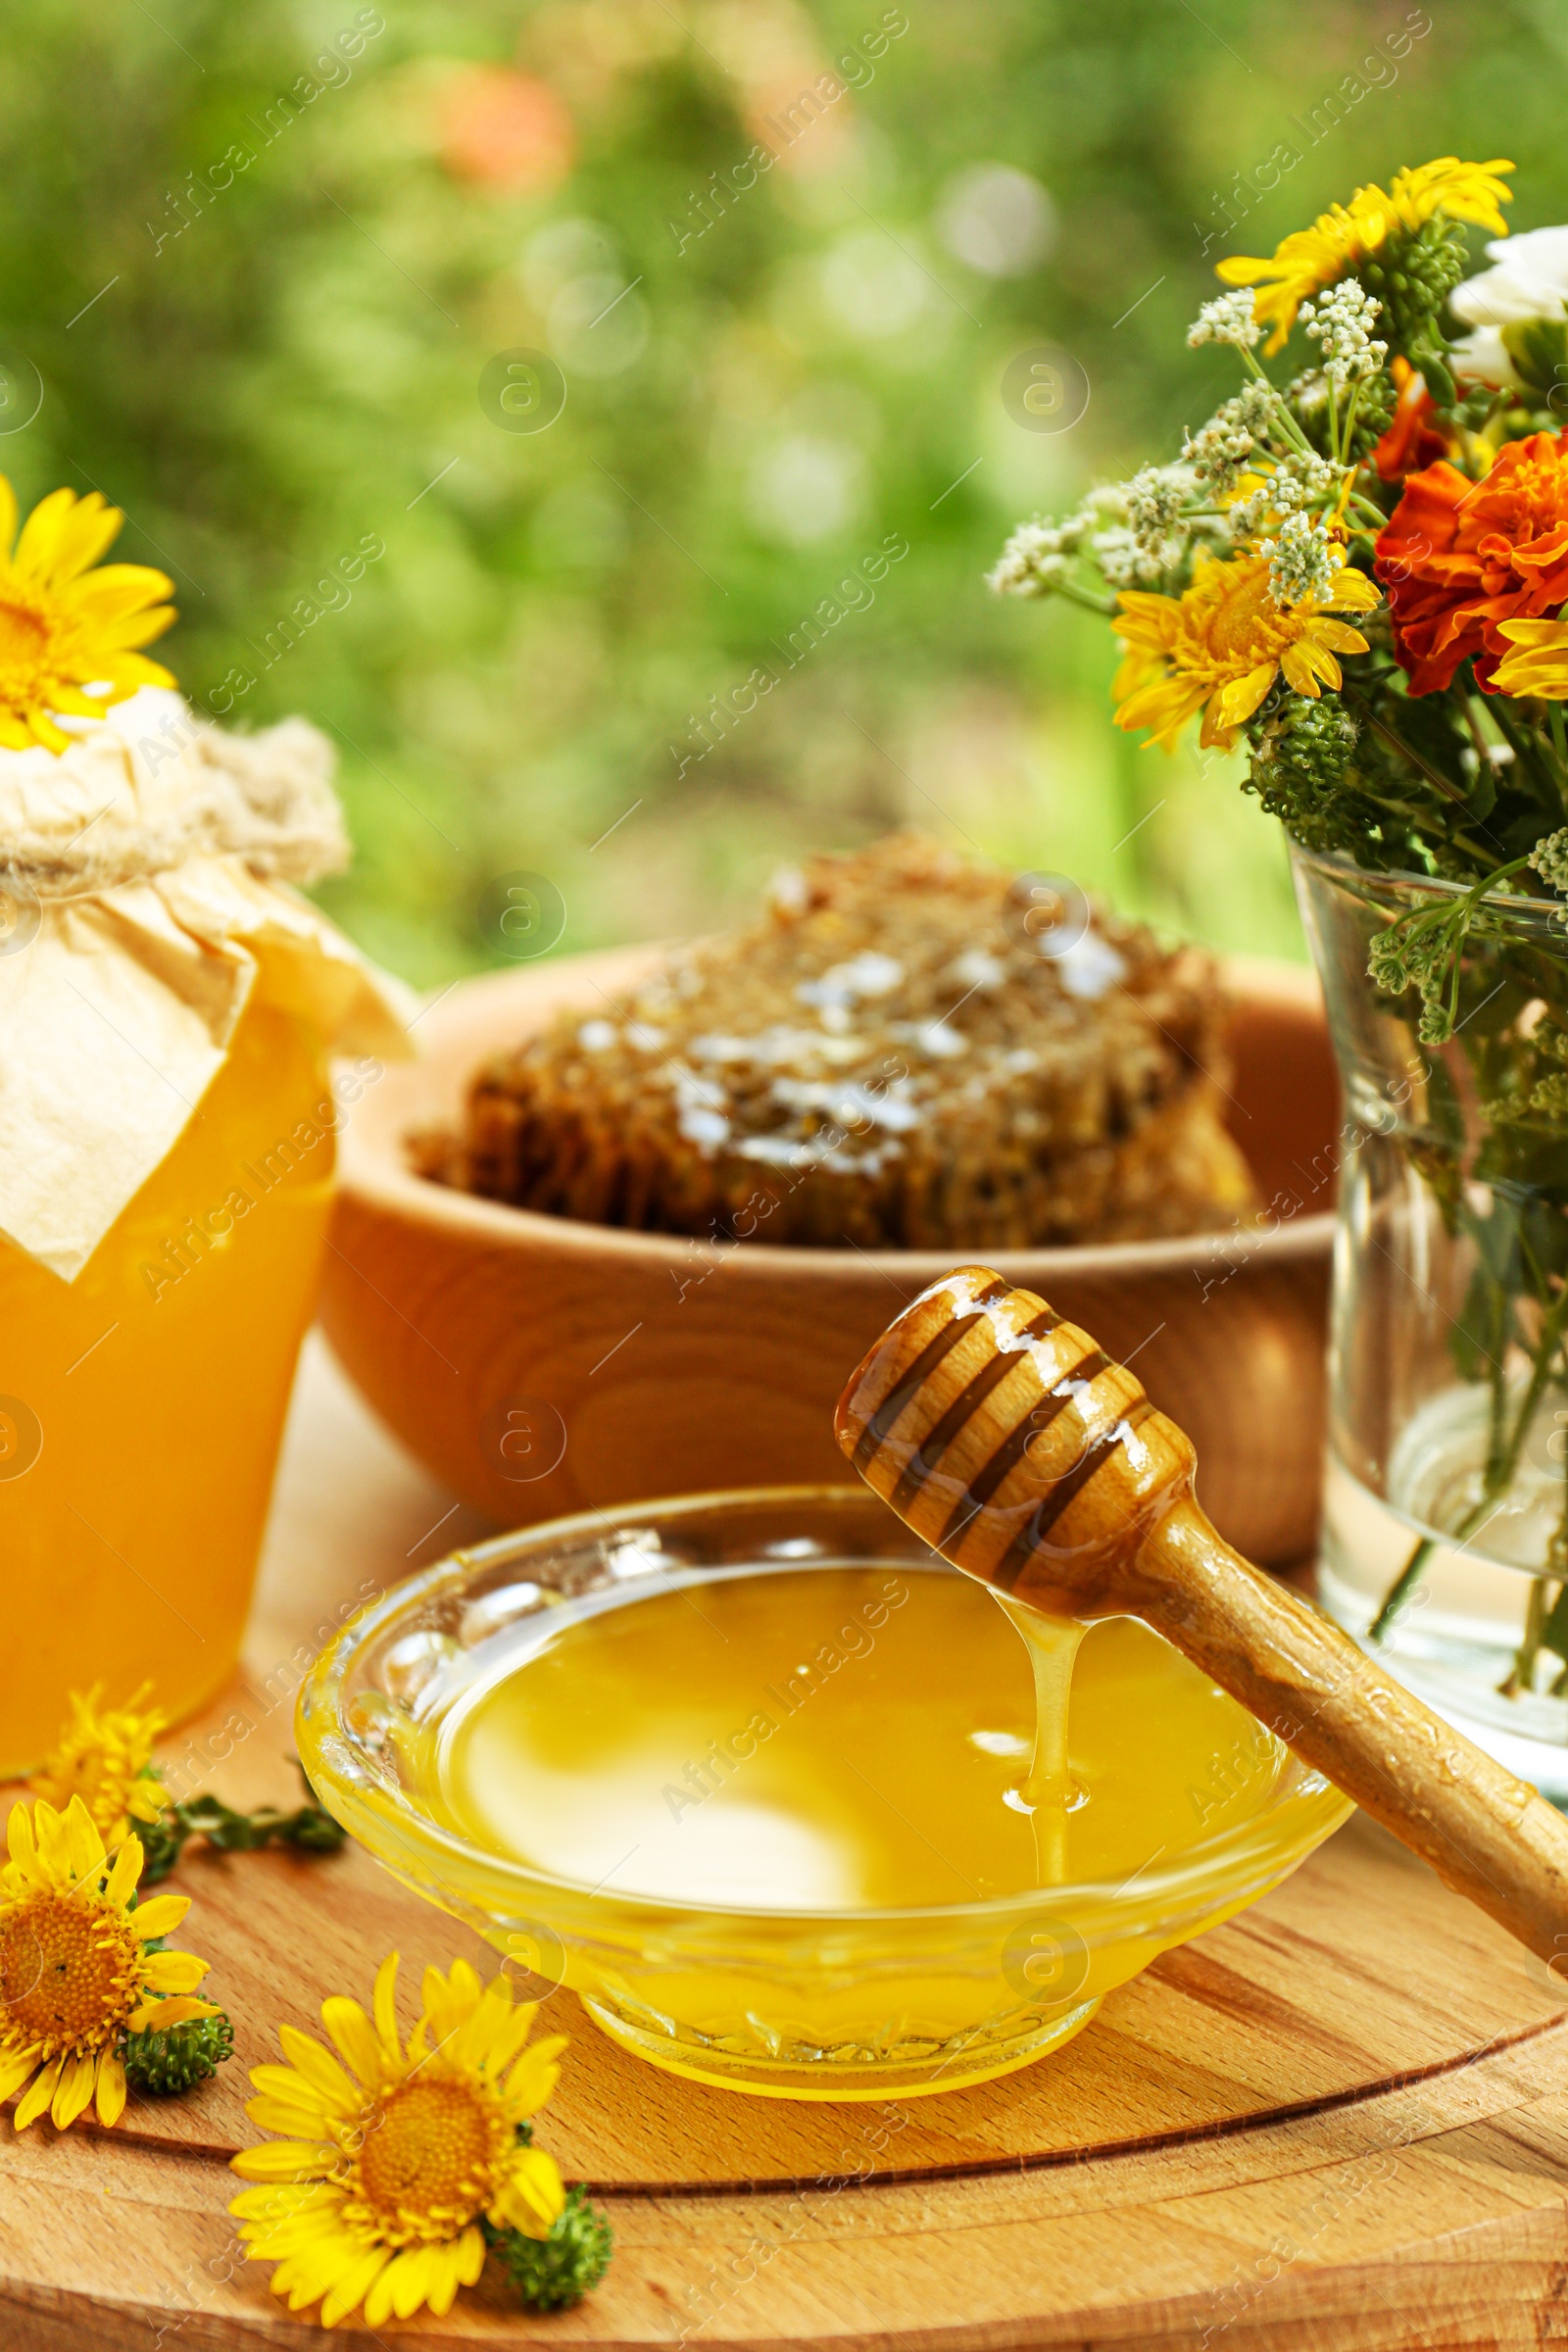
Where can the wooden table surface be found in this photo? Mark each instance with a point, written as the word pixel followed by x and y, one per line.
pixel 1339 2120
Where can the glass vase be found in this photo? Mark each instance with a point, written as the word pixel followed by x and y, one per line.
pixel 1445 1512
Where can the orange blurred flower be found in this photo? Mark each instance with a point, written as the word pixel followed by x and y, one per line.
pixel 1413 441
pixel 1459 557
pixel 506 129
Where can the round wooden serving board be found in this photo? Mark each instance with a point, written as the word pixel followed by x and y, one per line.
pixel 1339 2120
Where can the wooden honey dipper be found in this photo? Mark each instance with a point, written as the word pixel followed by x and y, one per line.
pixel 1013 1445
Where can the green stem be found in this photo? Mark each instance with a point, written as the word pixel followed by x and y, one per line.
pixel 1395 742
pixel 1524 749
pixel 1409 1578
pixel 1281 415
pixel 1521 1674
pixel 1105 607
pixel 1560 744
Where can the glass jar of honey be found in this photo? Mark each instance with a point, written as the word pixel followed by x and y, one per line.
pixel 168 1011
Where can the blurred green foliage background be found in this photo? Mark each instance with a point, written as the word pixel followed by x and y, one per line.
pixel 261 257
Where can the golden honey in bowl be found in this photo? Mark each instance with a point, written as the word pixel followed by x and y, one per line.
pixel 830 1740
pixel 755 1776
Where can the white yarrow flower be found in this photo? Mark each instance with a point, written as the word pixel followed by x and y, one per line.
pixel 1341 320
pixel 1032 562
pixel 1228 318
pixel 1304 560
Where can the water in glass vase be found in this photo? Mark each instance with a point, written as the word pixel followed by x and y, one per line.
pixel 1445 1536
pixel 1447 1570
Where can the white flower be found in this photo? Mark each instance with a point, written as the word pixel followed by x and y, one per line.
pixel 1304 560
pixel 1220 452
pixel 1228 318
pixel 1155 495
pixel 1309 391
pixel 1549 857
pixel 1301 479
pixel 1122 557
pixel 1528 279
pixel 1341 320
pixel 1032 562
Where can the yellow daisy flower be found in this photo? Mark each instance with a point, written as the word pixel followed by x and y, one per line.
pixel 1219 647
pixel 75 1974
pixel 391 2158
pixel 66 627
pixel 101 1756
pixel 1311 258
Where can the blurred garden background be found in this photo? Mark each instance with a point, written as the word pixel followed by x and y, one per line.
pixel 264 270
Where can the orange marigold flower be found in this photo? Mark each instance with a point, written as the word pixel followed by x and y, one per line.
pixel 1458 558
pixel 1413 441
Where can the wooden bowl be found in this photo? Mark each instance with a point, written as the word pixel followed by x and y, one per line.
pixel 541 1366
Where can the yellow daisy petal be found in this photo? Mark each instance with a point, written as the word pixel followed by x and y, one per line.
pixel 319 2069
pixel 127 672
pixel 160 2015
pixel 174 1972
pixel 354 2036
pixel 535 2075
pixel 1301 672
pixel 456 2264
pixel 509 2040
pixel 53 1844
pixel 385 2004
pixel 277 2199
pixel 352 2286
pixel 20 1839
pixel 33 2102
pixel 1351 592
pixel 40 539
pixel 82 1842
pixel 17 2065
pixel 159 1915
pixel 124 1873
pixel 1339 635
pixel 111 2087
pixel 288 2116
pixel 487 2020
pixel 73 2090
pixel 534 2198
pixel 285 2160
pixel 403 2287
pixel 1241 697
pixel 85 533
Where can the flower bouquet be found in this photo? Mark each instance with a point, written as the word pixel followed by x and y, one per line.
pixel 1357 570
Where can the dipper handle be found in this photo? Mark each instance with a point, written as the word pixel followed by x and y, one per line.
pixel 1009 1442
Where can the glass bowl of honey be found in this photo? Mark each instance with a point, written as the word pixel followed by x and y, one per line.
pixel 751 1774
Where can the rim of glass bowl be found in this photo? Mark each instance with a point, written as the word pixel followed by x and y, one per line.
pixel 1544 920
pixel 365 1800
